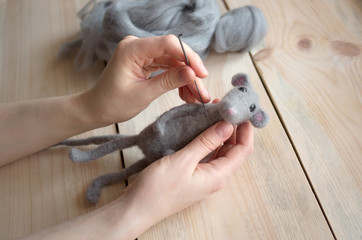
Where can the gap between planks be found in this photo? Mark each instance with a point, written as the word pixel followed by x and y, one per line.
pixel 226 5
pixel 280 117
pixel 121 156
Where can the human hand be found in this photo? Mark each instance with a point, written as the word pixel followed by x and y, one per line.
pixel 125 89
pixel 179 180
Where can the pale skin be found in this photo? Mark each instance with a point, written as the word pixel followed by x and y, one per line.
pixel 166 186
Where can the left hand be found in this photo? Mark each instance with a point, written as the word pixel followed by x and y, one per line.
pixel 125 89
pixel 179 180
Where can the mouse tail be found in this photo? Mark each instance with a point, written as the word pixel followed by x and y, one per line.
pixel 77 155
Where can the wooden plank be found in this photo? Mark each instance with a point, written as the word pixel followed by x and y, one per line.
pixel 312 66
pixel 269 197
pixel 45 188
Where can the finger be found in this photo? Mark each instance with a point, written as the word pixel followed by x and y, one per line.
pixel 155 47
pixel 192 96
pixel 232 156
pixel 129 38
pixel 199 90
pixel 216 100
pixel 223 150
pixel 204 144
pixel 168 80
pixel 245 134
pixel 167 61
pixel 164 63
pixel 244 141
pixel 232 139
pixel 186 95
pixel 215 153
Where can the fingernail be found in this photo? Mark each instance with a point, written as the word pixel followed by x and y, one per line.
pixel 206 94
pixel 224 129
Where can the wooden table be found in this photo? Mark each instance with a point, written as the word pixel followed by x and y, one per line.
pixel 303 180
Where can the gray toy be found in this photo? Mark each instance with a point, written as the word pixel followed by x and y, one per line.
pixel 171 131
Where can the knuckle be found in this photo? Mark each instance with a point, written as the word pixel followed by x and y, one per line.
pixel 169 41
pixel 121 46
pixel 129 37
pixel 125 41
pixel 207 143
pixel 166 83
pixel 219 181
pixel 169 38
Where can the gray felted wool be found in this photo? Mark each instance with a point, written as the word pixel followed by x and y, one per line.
pixel 248 29
pixel 90 40
pixel 172 131
pixel 107 23
pixel 195 19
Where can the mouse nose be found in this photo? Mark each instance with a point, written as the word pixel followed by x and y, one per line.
pixel 231 111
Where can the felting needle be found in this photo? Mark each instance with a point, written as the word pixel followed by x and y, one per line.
pixel 188 64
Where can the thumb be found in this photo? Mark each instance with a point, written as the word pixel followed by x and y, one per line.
pixel 204 144
pixel 174 78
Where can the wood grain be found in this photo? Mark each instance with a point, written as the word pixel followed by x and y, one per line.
pixel 311 64
pixel 45 188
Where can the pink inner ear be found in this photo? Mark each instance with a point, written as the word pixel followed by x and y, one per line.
pixel 239 81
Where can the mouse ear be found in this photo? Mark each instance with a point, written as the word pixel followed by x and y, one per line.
pixel 259 119
pixel 240 79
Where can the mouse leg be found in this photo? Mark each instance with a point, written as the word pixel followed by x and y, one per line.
pixel 81 156
pixel 95 188
pixel 97 140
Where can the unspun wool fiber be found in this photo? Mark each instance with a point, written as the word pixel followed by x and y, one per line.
pixel 105 23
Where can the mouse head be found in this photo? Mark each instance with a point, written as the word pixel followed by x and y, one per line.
pixel 242 103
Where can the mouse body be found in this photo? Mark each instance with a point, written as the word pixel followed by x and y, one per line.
pixel 172 131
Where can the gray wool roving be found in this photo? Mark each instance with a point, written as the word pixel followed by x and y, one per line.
pixel 171 131
pixel 253 24
pixel 105 23
pixel 196 20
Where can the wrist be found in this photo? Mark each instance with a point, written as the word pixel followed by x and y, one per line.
pixel 131 219
pixel 86 109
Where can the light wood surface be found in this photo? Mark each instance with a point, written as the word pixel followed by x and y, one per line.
pixel 311 65
pixel 45 188
pixel 303 180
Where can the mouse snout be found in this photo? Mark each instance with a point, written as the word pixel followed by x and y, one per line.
pixel 231 111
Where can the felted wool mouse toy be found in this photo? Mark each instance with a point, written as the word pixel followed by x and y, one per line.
pixel 105 23
pixel 171 131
